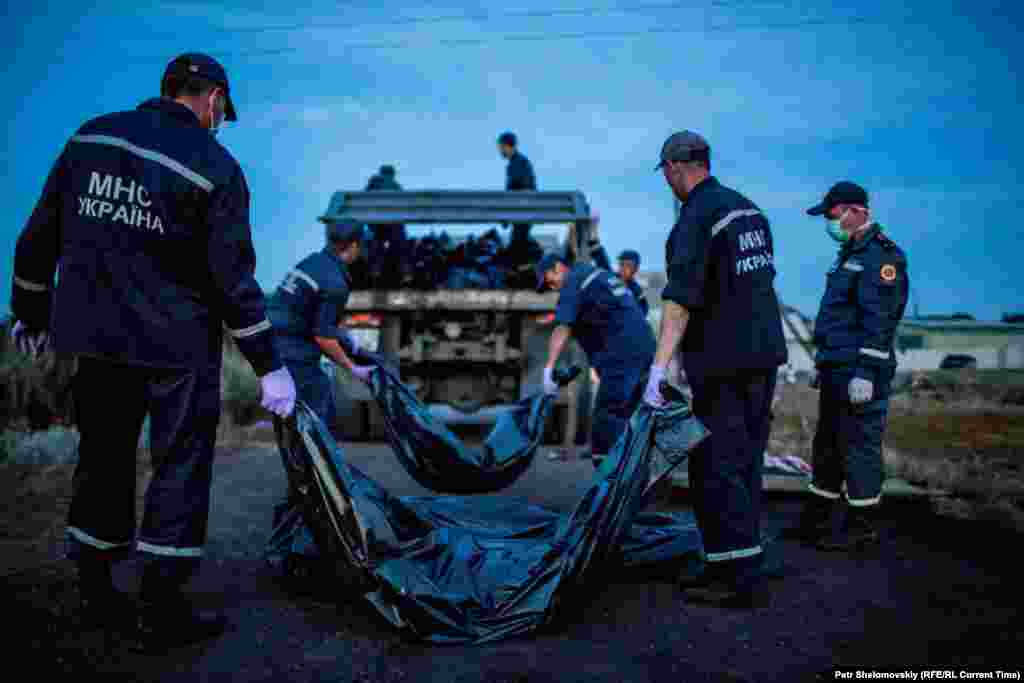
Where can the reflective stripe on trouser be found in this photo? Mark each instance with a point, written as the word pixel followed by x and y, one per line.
pixel 725 470
pixel 111 400
pixel 618 395
pixel 847 447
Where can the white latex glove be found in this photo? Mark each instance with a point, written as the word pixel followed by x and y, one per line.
pixel 652 394
pixel 362 372
pixel 353 341
pixel 860 391
pixel 550 386
pixel 29 343
pixel 278 389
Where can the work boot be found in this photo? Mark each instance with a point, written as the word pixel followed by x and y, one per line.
pixel 815 521
pixel 172 622
pixel 102 605
pixel 858 532
pixel 736 583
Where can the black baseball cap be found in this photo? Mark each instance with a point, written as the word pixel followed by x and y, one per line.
pixel 507 138
pixel 203 66
pixel 843 192
pixel 345 230
pixel 684 146
pixel 546 263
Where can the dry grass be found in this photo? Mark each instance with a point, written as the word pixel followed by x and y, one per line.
pixel 951 432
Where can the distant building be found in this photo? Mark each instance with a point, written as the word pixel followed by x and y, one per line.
pixel 921 344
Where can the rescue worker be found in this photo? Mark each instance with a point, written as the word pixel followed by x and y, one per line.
pixel 866 293
pixel 720 304
pixel 595 307
pixel 392 260
pixel 148 216
pixel 629 264
pixel 519 176
pixel 306 311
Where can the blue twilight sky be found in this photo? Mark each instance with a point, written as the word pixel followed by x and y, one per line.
pixel 919 102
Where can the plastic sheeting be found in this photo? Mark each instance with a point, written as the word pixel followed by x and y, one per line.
pixel 458 569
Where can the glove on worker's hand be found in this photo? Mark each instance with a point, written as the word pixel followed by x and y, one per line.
pixel 860 390
pixel 550 385
pixel 652 394
pixel 29 342
pixel 278 389
pixel 362 372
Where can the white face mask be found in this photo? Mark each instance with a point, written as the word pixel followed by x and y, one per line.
pixel 834 228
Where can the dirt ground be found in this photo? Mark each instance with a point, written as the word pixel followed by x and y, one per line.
pixel 938 593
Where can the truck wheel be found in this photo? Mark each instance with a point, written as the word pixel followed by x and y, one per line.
pixel 376 431
pixel 352 424
pixel 554 431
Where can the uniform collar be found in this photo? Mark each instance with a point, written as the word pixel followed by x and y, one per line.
pixel 171 108
pixel 331 254
pixel 710 181
pixel 859 245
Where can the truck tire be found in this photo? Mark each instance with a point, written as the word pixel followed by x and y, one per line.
pixel 352 421
pixel 554 431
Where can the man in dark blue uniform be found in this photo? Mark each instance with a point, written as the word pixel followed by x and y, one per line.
pixel 720 303
pixel 148 218
pixel 306 312
pixel 518 177
pixel 596 308
pixel 392 262
pixel 629 264
pixel 866 294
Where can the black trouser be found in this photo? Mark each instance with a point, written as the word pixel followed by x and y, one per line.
pixel 725 469
pixel 847 446
pixel 111 402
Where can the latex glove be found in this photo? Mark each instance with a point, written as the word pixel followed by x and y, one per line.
pixel 550 386
pixel 860 391
pixel 362 372
pixel 353 342
pixel 278 389
pixel 29 343
pixel 652 394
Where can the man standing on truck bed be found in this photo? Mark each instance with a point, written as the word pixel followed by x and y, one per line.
pixel 392 267
pixel 519 176
pixel 306 310
pixel 148 218
pixel 606 320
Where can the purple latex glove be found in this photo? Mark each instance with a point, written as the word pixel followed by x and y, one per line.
pixel 362 372
pixel 652 394
pixel 550 386
pixel 278 389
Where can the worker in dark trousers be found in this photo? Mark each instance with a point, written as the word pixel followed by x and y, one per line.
pixel 148 216
pixel 520 255
pixel 392 266
pixel 306 311
pixel 866 293
pixel 595 307
pixel 720 304
pixel 629 264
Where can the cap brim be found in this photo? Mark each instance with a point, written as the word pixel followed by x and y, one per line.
pixel 818 209
pixel 229 108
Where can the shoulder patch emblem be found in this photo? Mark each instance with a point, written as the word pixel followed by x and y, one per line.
pixel 888 273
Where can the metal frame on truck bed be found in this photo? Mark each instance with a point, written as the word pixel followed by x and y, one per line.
pixel 469 349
